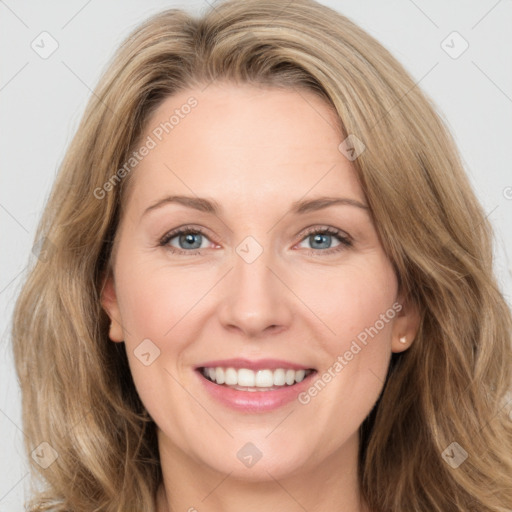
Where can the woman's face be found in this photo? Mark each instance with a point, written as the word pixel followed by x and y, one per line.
pixel 278 276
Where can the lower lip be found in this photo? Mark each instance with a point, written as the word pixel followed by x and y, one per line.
pixel 254 401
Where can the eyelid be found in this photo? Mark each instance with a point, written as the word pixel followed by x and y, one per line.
pixel 325 229
pixel 186 228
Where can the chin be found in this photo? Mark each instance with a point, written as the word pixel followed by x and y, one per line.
pixel 258 461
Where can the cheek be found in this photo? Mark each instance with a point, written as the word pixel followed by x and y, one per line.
pixel 154 300
pixel 351 300
pixel 156 304
pixel 365 322
pixel 357 307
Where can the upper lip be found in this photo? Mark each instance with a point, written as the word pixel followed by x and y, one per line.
pixel 260 364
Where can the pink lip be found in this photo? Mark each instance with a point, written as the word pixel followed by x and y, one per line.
pixel 261 364
pixel 254 401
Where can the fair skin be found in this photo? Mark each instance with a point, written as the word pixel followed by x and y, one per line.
pixel 254 151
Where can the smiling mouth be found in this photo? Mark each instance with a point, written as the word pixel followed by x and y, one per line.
pixel 244 379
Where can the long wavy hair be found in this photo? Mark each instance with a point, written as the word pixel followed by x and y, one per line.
pixel 449 387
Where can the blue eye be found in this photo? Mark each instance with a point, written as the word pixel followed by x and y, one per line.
pixel 324 241
pixel 188 240
pixel 321 240
pixel 191 240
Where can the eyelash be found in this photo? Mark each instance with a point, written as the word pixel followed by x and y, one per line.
pixel 345 241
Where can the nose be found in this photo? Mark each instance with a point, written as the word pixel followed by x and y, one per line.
pixel 255 300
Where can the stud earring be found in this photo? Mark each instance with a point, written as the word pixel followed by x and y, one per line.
pixel 403 339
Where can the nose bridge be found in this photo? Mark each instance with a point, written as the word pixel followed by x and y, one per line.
pixel 254 299
pixel 252 272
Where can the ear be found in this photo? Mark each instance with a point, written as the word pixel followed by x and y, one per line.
pixel 111 306
pixel 406 325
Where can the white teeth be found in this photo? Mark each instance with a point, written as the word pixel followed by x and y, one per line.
pixel 290 377
pixel 231 377
pixel 245 378
pixel 264 379
pixel 279 377
pixel 252 380
pixel 300 375
pixel 218 375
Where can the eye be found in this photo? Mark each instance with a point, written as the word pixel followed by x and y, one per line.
pixel 321 240
pixel 185 240
pixel 189 240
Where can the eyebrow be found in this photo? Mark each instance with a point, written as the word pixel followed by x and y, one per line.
pixel 298 207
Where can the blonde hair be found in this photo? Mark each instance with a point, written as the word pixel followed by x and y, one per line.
pixel 450 386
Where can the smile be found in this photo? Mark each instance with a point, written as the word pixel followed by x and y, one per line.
pixel 245 379
pixel 254 386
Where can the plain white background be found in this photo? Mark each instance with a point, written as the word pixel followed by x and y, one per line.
pixel 42 99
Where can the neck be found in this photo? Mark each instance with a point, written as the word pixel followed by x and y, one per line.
pixel 191 486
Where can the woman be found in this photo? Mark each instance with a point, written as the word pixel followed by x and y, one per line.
pixel 186 343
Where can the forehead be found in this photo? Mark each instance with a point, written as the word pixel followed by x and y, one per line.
pixel 244 143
